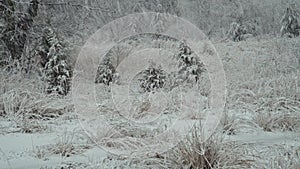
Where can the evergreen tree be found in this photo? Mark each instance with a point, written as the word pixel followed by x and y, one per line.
pixel 237 32
pixel 153 77
pixel 56 69
pixel 106 72
pixel 290 22
pixel 190 68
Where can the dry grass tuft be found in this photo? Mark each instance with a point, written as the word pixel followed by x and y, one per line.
pixel 23 101
pixel 66 146
pixel 192 153
pixel 285 157
pixel 229 123
pixel 213 153
pixel 278 114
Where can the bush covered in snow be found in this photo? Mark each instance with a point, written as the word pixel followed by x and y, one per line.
pixel 237 32
pixel 153 77
pixel 189 66
pixel 53 59
pixel 290 22
pixel 106 72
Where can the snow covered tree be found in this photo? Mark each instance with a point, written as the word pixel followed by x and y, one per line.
pixel 106 72
pixel 153 77
pixel 46 46
pixel 190 68
pixel 237 32
pixel 290 22
pixel 56 69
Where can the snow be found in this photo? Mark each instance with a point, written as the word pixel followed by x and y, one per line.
pixel 20 150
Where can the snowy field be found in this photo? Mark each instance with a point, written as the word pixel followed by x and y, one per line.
pixel 260 127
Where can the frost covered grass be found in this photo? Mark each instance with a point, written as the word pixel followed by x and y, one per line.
pixel 263 94
pixel 213 153
pixel 286 116
pixel 282 157
pixel 193 153
pixel 24 102
pixel 263 86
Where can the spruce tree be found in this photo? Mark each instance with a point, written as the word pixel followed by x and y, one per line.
pixel 290 22
pixel 237 32
pixel 106 72
pixel 190 68
pixel 153 77
pixel 53 59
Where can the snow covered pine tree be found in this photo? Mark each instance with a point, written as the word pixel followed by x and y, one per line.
pixel 190 68
pixel 290 22
pixel 53 57
pixel 106 72
pixel 153 77
pixel 236 32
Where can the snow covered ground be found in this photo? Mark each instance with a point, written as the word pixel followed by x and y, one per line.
pixel 262 110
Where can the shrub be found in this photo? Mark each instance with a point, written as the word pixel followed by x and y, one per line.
pixel 193 153
pixel 290 22
pixel 237 32
pixel 190 68
pixel 106 72
pixel 278 114
pixel 284 156
pixel 152 78
pixel 212 153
